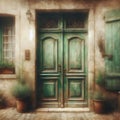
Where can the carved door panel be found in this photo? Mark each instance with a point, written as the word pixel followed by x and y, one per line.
pixel 49 77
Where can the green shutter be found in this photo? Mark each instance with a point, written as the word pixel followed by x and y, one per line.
pixel 113 47
pixel 112 15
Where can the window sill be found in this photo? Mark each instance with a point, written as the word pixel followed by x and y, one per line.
pixel 8 76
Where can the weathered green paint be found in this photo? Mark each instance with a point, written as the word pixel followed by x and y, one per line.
pixel 49 77
pixel 74 53
pixel 75 89
pixel 49 90
pixel 112 15
pixel 113 83
pixel 74 64
pixel 49 53
pixel 113 48
pixel 61 66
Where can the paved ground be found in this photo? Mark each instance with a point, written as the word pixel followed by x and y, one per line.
pixel 12 114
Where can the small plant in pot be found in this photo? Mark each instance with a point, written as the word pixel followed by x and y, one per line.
pixel 23 94
pixel 99 102
pixel 7 67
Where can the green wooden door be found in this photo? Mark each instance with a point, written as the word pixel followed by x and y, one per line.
pixel 113 48
pixel 61 71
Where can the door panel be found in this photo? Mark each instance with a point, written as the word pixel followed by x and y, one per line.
pixel 74 69
pixel 74 90
pixel 74 52
pixel 49 54
pixel 50 90
pixel 113 48
pixel 61 80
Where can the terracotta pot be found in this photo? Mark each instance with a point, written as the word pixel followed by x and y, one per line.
pixel 99 106
pixel 7 70
pixel 22 105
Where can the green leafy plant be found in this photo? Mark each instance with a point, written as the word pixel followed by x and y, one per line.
pixel 21 90
pixel 6 65
pixel 98 96
pixel 23 95
pixel 100 79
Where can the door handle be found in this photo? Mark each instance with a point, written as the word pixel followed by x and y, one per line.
pixel 101 45
pixel 59 68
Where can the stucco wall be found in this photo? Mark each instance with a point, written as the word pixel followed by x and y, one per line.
pixel 26 33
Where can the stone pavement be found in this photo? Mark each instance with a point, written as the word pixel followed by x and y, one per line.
pixel 12 114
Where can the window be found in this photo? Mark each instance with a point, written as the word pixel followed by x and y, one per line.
pixel 60 21
pixel 7 39
pixel 48 21
pixel 76 20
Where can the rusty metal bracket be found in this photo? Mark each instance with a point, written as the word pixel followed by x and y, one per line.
pixel 109 56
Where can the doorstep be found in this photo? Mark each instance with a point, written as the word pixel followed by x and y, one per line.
pixel 62 110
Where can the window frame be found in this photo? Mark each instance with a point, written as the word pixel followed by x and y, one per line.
pixel 10 46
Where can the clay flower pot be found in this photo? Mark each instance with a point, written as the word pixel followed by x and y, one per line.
pixel 99 106
pixel 99 102
pixel 23 105
pixel 7 70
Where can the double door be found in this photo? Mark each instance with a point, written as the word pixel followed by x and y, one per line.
pixel 61 62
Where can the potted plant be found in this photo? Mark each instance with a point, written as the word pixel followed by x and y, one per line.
pixel 99 103
pixel 99 100
pixel 2 100
pixel 7 68
pixel 23 95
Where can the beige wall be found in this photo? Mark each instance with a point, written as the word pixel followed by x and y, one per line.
pixel 96 31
